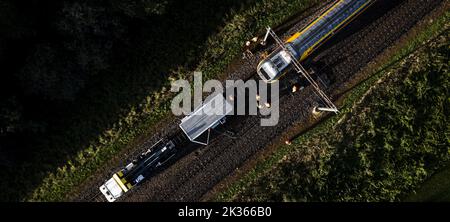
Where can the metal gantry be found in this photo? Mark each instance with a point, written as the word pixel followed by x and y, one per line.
pixel 330 107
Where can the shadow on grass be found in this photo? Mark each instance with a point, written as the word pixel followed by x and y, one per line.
pixel 156 46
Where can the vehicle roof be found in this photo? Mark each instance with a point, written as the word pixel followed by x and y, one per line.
pixel 206 116
pixel 111 190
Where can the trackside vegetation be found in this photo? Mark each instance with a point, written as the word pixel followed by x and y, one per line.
pixel 392 135
pixel 436 189
pixel 223 43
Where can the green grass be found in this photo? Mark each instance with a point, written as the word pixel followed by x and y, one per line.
pixel 435 189
pixel 333 171
pixel 219 51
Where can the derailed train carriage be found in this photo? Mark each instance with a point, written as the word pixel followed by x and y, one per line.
pixel 303 43
pixel 206 117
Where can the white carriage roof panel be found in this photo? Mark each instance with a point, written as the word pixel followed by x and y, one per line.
pixel 206 116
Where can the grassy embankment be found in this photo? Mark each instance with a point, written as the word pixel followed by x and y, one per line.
pixel 391 135
pixel 219 51
pixel 436 189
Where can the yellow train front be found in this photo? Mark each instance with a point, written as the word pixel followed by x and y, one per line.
pixel 303 43
pixel 136 171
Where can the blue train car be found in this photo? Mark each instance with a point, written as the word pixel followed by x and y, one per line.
pixel 303 43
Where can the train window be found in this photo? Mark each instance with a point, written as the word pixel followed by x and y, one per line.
pixel 280 65
pixel 263 71
pixel 278 62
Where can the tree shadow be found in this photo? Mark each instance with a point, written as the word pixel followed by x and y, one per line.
pixel 156 45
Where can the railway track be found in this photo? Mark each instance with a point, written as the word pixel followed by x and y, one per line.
pixel 199 169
